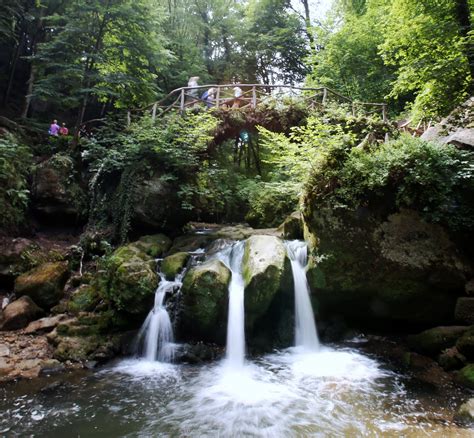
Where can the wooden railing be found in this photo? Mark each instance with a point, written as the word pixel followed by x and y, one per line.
pixel 252 95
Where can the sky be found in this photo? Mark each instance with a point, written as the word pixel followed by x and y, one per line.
pixel 318 8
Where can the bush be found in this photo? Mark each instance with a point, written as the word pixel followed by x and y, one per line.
pixel 15 164
pixel 436 180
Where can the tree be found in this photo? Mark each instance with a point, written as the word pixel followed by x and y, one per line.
pixel 103 50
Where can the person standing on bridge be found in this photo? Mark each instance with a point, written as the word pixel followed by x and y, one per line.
pixel 193 82
pixel 237 96
pixel 208 96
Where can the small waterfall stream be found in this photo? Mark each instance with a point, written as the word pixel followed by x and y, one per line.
pixel 306 335
pixel 155 341
pixel 235 348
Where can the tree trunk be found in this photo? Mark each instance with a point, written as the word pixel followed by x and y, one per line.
pixel 29 93
pixel 307 19
pixel 13 64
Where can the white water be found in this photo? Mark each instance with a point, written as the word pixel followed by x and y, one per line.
pixel 232 257
pixel 156 332
pixel 235 348
pixel 306 335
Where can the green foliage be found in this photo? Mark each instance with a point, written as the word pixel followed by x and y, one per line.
pixel 15 165
pixel 423 41
pixel 408 172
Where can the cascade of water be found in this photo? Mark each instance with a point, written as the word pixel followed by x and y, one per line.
pixel 235 347
pixel 156 333
pixel 306 335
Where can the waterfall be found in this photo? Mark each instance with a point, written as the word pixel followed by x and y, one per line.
pixel 306 335
pixel 235 348
pixel 156 334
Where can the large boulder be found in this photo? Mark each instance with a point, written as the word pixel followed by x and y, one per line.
pixel 456 129
pixel 466 376
pixel 375 268
pixel 13 253
pixel 174 264
pixel 19 314
pixel 267 272
pixel 129 279
pixel 465 413
pixel 154 245
pixel 44 284
pixel 57 192
pixel 204 299
pixel 433 341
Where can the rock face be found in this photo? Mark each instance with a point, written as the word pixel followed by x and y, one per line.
pixel 432 341
pixel 267 277
pixel 43 284
pixel 465 344
pixel 174 264
pixel 57 193
pixel 466 376
pixel 375 269
pixel 19 313
pixel 12 258
pixel 157 205
pixel 205 295
pixel 456 129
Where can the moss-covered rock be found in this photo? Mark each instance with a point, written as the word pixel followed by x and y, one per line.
pixel 154 245
pixel 174 264
pixel 266 270
pixel 465 344
pixel 433 341
pixel 57 191
pixel 204 295
pixel 85 299
pixel 465 413
pixel 466 376
pixel 451 359
pixel 372 267
pixel 129 280
pixel 43 284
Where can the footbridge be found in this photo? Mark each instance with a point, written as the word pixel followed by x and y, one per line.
pixel 244 96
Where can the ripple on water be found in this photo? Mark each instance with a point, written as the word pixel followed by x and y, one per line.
pixel 293 393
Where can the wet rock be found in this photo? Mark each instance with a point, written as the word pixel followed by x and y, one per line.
pixel 427 370
pixel 469 287
pixel 57 192
pixel 44 325
pixel 129 279
pixel 433 341
pixel 374 268
pixel 450 359
pixel 198 353
pixel 12 257
pixel 204 295
pixel 292 227
pixel 174 264
pixel 86 348
pixel 466 376
pixel 464 311
pixel 465 413
pixel 43 284
pixel 19 313
pixel 465 344
pixel 266 270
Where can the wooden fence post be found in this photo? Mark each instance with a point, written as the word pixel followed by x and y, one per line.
pixel 153 112
pixel 353 109
pixel 218 95
pixel 325 95
pixel 254 97
pixel 129 119
pixel 182 101
pixel 384 112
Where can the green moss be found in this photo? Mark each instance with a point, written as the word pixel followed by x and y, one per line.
pixel 173 264
pixel 153 245
pixel 466 376
pixel 84 300
pixel 433 341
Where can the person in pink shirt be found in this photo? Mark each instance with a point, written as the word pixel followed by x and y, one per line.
pixel 54 128
pixel 63 130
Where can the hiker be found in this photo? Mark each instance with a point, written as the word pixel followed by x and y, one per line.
pixel 208 96
pixel 237 96
pixel 54 129
pixel 63 130
pixel 193 82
